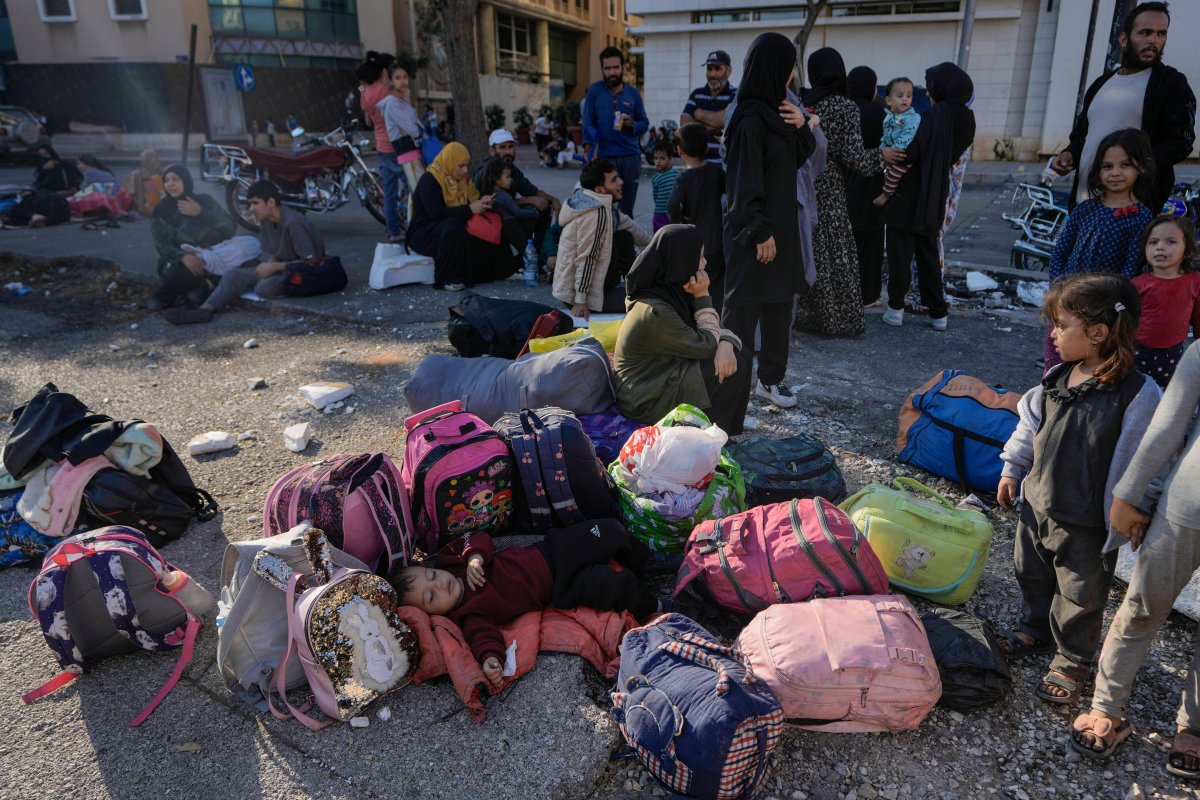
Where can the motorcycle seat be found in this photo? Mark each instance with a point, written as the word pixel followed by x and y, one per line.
pixel 293 166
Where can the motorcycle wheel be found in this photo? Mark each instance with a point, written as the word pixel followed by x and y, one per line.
pixel 239 206
pixel 1028 262
pixel 371 188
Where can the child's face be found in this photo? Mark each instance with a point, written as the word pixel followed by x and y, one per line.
pixel 434 591
pixel 662 161
pixel 1073 339
pixel 1117 171
pixel 1165 248
pixel 900 98
pixel 505 180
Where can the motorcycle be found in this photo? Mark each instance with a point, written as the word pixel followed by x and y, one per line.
pixel 1184 202
pixel 1040 222
pixel 321 175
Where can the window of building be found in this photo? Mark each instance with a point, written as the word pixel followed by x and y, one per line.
pixel 612 9
pixel 122 10
pixel 562 57
pixel 56 10
pixel 8 45
pixel 841 9
pixel 514 36
pixel 315 20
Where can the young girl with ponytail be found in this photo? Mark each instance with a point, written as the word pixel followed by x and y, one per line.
pixel 1077 433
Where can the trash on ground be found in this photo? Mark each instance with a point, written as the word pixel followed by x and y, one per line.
pixel 296 437
pixel 385 713
pixel 1032 292
pixel 323 393
pixel 17 289
pixel 211 442
pixel 359 722
pixel 978 282
pixel 250 344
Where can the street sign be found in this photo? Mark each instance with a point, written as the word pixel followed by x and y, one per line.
pixel 243 75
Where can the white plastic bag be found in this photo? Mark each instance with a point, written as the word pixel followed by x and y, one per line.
pixel 673 459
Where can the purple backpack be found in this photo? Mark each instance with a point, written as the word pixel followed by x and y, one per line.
pixel 100 594
pixel 609 430
pixel 459 475
pixel 357 500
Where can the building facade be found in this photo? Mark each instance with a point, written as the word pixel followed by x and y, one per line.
pixel 1026 57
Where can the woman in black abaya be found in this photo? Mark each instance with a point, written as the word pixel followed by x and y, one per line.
pixel 915 214
pixel 766 141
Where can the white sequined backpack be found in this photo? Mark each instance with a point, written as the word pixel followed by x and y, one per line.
pixel 353 647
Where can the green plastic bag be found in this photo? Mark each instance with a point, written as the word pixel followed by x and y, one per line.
pixel 726 494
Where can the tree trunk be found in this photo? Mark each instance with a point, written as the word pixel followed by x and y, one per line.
pixel 815 9
pixel 459 21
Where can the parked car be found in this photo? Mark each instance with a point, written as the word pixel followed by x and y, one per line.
pixel 20 132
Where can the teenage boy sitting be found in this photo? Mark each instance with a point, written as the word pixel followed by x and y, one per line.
pixel 480 589
pixel 286 236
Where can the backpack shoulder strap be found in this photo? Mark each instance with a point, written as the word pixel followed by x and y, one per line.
pixel 554 471
pixel 526 453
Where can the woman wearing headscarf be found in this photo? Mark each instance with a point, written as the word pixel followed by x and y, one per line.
pixel 862 86
pixel 145 182
pixel 671 348
pixel 443 203
pixel 915 215
pixel 834 307
pixel 183 217
pixel 55 175
pixel 766 141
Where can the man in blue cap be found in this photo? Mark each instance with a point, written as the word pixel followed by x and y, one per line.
pixel 709 103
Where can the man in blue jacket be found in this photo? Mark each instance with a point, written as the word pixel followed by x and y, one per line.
pixel 614 120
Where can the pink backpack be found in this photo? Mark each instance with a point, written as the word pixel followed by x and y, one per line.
pixel 459 475
pixel 358 500
pixel 780 553
pixel 862 663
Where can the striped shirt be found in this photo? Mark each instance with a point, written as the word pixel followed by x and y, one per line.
pixel 663 184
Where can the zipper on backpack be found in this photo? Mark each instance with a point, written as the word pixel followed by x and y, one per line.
pixel 862 698
pixel 850 562
pixel 780 595
pixel 806 546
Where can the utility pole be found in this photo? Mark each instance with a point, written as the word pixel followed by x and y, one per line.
pixel 187 114
pixel 964 43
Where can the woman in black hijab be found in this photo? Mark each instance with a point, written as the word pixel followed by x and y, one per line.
pixel 766 141
pixel 184 217
pixel 915 214
pixel 55 175
pixel 835 305
pixel 862 86
pixel 671 348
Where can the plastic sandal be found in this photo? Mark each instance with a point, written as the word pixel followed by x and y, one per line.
pixel 1054 678
pixel 1101 728
pixel 1189 746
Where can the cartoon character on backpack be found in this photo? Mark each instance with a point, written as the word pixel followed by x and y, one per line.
pixel 912 558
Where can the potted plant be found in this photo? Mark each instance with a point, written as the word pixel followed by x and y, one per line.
pixel 522 121
pixel 495 117
pixel 574 114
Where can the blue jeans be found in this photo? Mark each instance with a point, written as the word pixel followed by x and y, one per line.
pixel 392 174
pixel 630 170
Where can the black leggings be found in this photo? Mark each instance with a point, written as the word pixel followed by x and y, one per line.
pixel 775 320
pixel 869 245
pixel 902 246
pixel 579 559
pixel 728 400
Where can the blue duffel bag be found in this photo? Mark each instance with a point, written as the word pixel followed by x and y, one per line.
pixel 693 711
pixel 956 426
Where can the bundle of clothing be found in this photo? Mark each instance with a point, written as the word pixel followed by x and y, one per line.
pixel 65 469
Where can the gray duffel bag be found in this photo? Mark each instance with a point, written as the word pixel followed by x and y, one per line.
pixel 577 378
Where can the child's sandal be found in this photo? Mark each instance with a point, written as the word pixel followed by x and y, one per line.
pixel 1071 686
pixel 1098 730
pixel 1185 746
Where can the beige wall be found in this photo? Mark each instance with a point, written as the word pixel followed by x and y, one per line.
pixel 96 36
pixel 377 26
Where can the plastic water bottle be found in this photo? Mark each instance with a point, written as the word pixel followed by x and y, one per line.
pixel 531 264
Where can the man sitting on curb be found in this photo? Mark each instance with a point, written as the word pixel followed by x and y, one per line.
pixel 286 236
pixel 596 247
pixel 504 147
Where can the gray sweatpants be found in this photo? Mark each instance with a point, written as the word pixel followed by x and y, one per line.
pixel 1064 582
pixel 237 282
pixel 1165 562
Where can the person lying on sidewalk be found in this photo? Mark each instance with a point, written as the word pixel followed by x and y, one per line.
pixel 285 237
pixel 479 589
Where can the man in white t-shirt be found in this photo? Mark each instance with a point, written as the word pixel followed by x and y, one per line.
pixel 541 129
pixel 1142 93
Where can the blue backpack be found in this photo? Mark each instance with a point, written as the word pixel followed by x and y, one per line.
pixel 692 709
pixel 100 594
pixel 956 426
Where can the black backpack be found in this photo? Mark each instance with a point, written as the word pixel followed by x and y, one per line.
pixel 973 667
pixel 305 279
pixel 778 470
pixel 485 326
pixel 562 482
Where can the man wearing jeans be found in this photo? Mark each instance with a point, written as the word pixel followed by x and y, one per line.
pixel 614 120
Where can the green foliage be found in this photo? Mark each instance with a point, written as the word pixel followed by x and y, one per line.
pixel 522 118
pixel 495 116
pixel 574 111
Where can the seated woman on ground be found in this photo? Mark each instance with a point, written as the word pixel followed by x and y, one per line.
pixel 444 202
pixel 518 220
pixel 146 182
pixel 184 218
pixel 55 175
pixel 671 348
pixel 94 170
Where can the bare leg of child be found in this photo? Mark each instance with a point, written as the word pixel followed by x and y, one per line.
pixel 881 201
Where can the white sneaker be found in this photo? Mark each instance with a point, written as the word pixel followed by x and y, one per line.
pixel 780 394
pixel 893 316
pixel 453 287
pixel 876 303
pixel 939 324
